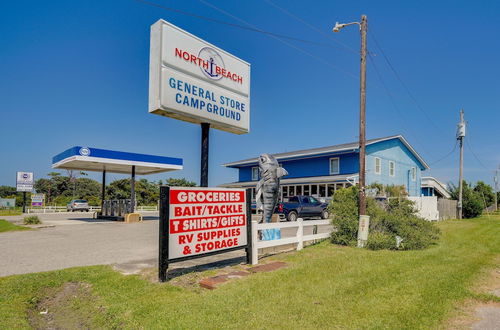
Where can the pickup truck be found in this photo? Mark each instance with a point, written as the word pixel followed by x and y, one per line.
pixel 302 207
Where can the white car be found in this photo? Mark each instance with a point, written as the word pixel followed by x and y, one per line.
pixel 78 205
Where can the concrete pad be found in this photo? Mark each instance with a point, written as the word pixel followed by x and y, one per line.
pixel 489 318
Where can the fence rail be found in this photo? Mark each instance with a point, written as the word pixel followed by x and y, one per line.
pixel 60 209
pixel 299 237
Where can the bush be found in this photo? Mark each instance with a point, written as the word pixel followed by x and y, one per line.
pixel 380 241
pixel 473 201
pixel 32 220
pixel 395 218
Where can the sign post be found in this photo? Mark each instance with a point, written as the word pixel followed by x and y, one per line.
pixel 196 222
pixel 24 183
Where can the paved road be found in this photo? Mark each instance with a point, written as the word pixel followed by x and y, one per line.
pixel 78 240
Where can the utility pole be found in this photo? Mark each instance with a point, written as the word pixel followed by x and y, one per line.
pixel 362 119
pixel 364 220
pixel 460 138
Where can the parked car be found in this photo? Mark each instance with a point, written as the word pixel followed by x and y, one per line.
pixel 78 205
pixel 302 207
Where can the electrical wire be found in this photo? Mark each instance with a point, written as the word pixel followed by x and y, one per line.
pixel 153 4
pixel 391 98
pixel 398 77
pixel 474 154
pixel 447 155
pixel 312 26
pixel 319 59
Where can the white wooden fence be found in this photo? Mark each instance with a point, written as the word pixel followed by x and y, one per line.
pixel 299 237
pixel 59 209
pixel 426 207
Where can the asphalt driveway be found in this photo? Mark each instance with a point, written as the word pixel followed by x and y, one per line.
pixel 78 240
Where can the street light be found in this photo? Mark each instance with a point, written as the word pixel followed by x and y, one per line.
pixel 364 220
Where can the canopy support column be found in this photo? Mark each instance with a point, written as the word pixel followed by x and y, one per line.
pixel 103 193
pixel 132 190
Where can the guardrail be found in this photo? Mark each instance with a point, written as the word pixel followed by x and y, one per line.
pixel 299 238
pixel 59 209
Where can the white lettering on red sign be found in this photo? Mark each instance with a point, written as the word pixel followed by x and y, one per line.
pixel 205 220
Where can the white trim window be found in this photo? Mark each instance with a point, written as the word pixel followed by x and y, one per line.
pixel 392 168
pixel 378 165
pixel 413 174
pixel 334 165
pixel 255 173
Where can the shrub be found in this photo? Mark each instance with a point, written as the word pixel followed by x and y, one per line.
pixel 32 220
pixel 472 199
pixel 395 218
pixel 380 240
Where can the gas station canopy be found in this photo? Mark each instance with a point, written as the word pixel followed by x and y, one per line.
pixel 92 159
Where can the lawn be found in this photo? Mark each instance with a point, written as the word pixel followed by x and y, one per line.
pixel 6 212
pixel 7 226
pixel 325 286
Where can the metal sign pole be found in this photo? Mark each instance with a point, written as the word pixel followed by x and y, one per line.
pixel 24 201
pixel 163 232
pixel 205 129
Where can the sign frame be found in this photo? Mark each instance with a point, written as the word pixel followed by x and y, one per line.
pixel 185 65
pixel 164 233
pixel 25 184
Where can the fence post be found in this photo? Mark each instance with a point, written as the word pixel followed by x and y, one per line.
pixel 300 234
pixel 255 237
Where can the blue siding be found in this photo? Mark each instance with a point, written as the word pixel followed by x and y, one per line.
pixel 320 166
pixel 245 173
pixel 317 166
pixel 393 150
pixel 389 150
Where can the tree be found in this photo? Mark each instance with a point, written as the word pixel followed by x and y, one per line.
pixel 147 193
pixel 472 200
pixel 7 191
pixel 61 190
pixel 182 182
pixel 486 193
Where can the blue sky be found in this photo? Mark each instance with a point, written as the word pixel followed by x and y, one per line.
pixel 76 73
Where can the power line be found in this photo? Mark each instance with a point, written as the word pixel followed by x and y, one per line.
pixel 474 154
pixel 280 40
pixel 398 77
pixel 312 26
pixel 391 98
pixel 153 4
pixel 447 155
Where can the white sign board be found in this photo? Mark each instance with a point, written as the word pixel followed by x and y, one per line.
pixel 37 199
pixel 24 181
pixel 195 81
pixel 204 220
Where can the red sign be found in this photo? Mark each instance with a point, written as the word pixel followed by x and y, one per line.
pixel 203 220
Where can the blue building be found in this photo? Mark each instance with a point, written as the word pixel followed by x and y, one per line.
pixel 320 172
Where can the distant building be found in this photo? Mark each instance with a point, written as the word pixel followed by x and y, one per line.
pixel 432 187
pixel 320 172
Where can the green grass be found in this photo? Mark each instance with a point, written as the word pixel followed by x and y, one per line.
pixel 7 212
pixel 325 286
pixel 7 226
